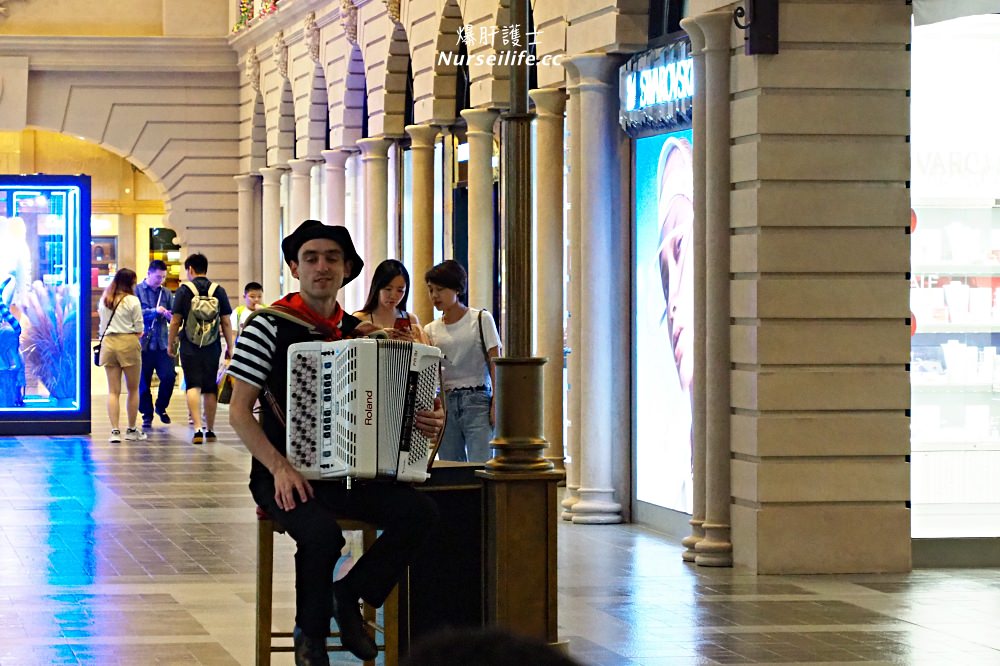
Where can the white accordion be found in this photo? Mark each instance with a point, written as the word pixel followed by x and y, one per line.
pixel 351 406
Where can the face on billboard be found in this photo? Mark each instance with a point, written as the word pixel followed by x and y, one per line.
pixel 664 319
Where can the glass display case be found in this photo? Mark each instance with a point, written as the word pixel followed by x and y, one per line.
pixel 955 418
pixel 44 281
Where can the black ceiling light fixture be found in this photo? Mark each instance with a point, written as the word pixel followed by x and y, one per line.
pixel 759 23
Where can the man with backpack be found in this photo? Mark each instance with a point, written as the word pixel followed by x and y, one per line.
pixel 201 317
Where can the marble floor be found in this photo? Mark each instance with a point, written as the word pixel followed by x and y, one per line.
pixel 143 553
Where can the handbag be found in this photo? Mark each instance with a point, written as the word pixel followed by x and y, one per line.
pixel 225 389
pixel 97 347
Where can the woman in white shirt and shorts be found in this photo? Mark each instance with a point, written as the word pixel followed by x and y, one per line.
pixel 120 329
pixel 469 340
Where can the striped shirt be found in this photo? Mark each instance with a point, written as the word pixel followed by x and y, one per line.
pixel 255 349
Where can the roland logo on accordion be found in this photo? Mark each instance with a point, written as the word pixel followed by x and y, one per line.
pixel 351 406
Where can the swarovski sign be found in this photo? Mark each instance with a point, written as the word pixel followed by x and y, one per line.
pixel 659 85
pixel 656 89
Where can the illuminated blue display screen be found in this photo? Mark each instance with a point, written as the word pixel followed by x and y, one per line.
pixel 664 318
pixel 44 319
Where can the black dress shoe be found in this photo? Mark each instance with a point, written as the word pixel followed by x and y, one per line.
pixel 352 626
pixel 309 651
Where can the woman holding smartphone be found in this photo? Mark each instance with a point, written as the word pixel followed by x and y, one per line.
pixel 386 304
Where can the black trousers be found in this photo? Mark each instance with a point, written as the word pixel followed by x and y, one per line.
pixel 404 515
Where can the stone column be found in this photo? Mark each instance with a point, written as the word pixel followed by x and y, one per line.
pixel 301 182
pixel 605 418
pixel 716 549
pixel 698 393
pixel 336 185
pixel 550 104
pixel 271 259
pixel 422 150
pixel 574 300
pixel 375 161
pixel 820 251
pixel 247 231
pixel 480 170
pixel 298 205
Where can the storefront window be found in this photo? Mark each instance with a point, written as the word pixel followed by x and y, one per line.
pixel 655 92
pixel 955 294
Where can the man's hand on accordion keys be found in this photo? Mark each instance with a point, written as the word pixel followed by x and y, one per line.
pixel 431 423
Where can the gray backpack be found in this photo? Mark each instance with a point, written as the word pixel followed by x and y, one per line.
pixel 202 325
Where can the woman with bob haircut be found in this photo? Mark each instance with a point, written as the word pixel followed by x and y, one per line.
pixel 386 304
pixel 121 353
pixel 469 339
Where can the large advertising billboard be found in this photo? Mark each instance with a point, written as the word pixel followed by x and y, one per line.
pixel 664 313
pixel 44 304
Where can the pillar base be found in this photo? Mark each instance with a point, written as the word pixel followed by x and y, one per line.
pixel 715 550
pixel 691 542
pixel 570 500
pixel 596 507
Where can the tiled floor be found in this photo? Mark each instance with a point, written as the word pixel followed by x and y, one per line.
pixel 143 553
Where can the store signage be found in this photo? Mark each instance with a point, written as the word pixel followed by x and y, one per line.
pixel 656 89
pixel 659 85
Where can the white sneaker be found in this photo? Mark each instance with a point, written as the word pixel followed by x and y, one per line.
pixel 116 436
pixel 134 435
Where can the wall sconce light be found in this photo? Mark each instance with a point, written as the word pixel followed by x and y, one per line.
pixel 759 23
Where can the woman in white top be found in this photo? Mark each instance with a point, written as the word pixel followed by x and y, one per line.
pixel 120 329
pixel 469 340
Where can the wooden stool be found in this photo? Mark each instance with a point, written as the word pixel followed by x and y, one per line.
pixel 265 579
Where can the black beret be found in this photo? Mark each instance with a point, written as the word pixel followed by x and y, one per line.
pixel 313 229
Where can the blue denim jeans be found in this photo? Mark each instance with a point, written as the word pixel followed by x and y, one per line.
pixel 468 432
pixel 160 361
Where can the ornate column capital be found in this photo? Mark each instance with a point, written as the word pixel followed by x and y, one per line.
pixel 349 20
pixel 596 69
pixel 272 175
pixel 716 28
pixel 246 182
pixel 374 148
pixel 422 136
pixel 549 101
pixel 253 69
pixel 480 120
pixel 302 166
pixel 337 157
pixel 692 27
pixel 392 6
pixel 310 33
pixel 280 50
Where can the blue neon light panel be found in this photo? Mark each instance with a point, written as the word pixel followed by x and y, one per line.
pixel 44 304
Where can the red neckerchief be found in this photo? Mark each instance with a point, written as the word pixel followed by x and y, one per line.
pixel 329 327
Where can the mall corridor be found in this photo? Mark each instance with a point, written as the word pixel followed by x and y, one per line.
pixel 143 553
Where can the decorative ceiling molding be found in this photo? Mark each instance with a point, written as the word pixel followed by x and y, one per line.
pixel 349 20
pixel 393 7
pixel 311 34
pixel 70 53
pixel 253 69
pixel 280 53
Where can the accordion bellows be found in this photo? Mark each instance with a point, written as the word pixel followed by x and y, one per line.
pixel 351 406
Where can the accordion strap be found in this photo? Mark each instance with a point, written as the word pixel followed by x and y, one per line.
pixel 287 314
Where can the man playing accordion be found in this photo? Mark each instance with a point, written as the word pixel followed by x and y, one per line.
pixel 323 259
